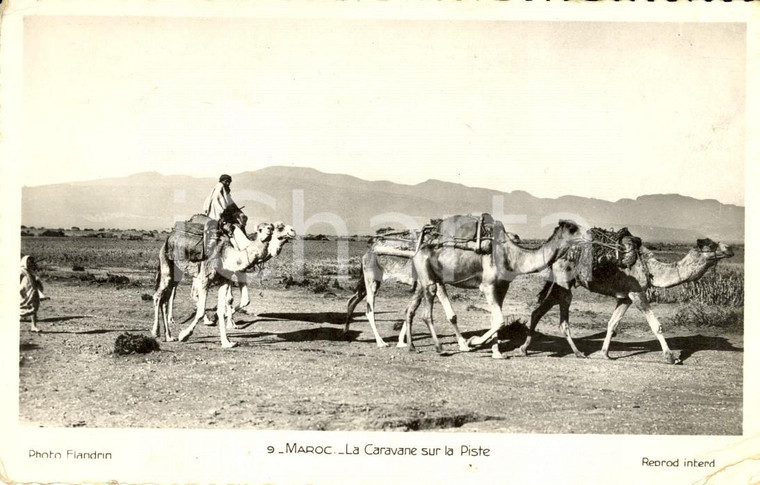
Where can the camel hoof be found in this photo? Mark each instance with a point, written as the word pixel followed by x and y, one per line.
pixel 673 360
pixel 499 355
pixel 228 345
pixel 183 337
pixel 523 351
pixel 439 350
pixel 606 356
pixel 471 342
pixel 401 345
pixel 580 355
pixel 381 345
pixel 35 330
pixel 171 339
pixel 463 347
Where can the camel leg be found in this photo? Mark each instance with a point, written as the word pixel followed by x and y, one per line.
pixel 352 302
pixel 245 299
pixel 429 291
pixel 566 298
pixel 200 312
pixel 371 293
pixel 351 306
pixel 162 306
pixel 495 294
pixel 640 300
pixel 544 306
pixel 443 297
pixel 229 309
pixel 195 292
pixel 168 312
pixel 406 329
pixel 221 310
pixel 617 314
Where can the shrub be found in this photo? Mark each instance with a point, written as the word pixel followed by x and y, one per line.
pixel 53 233
pixel 723 287
pixel 699 315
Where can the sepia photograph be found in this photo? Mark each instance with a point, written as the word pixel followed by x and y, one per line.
pixel 372 243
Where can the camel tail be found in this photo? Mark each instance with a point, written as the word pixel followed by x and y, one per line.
pixel 157 277
pixel 161 256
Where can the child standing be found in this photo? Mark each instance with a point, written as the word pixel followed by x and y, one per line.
pixel 31 291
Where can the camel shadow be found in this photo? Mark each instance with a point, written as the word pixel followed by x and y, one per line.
pixel 334 318
pixel 305 335
pixel 64 318
pixel 94 331
pixel 28 346
pixel 684 346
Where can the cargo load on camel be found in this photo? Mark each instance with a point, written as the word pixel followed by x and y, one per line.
pixel 608 249
pixel 469 232
pixel 193 241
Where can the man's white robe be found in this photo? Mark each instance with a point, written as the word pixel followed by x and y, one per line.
pixel 218 200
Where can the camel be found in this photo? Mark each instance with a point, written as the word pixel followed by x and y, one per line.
pixel 391 260
pixel 222 266
pixel 282 234
pixel 627 285
pixel 437 265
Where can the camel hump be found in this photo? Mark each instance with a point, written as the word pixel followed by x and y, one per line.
pixel 459 230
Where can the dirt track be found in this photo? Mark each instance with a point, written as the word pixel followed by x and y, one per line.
pixel 293 370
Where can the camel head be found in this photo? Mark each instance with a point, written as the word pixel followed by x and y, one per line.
pixel 264 232
pixel 709 249
pixel 569 234
pixel 283 234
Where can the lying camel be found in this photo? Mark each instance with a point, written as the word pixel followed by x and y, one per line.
pixel 627 285
pixel 222 267
pixel 492 273
pixel 391 260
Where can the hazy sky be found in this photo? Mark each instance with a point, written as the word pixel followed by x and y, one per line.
pixel 608 110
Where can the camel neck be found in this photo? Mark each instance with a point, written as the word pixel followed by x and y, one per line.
pixel 690 268
pixel 241 259
pixel 524 260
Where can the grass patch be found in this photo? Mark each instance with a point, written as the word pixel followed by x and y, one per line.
pixel 723 287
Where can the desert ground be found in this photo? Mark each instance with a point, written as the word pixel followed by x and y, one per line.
pixel 294 368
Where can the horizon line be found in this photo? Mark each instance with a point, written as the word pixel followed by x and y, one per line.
pixel 72 182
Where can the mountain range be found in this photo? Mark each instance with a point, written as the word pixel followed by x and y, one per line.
pixel 320 203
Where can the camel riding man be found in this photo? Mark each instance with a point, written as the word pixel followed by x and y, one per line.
pixel 215 204
pixel 219 198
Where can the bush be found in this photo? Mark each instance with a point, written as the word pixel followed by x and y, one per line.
pixel 723 287
pixel 699 315
pixel 53 233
